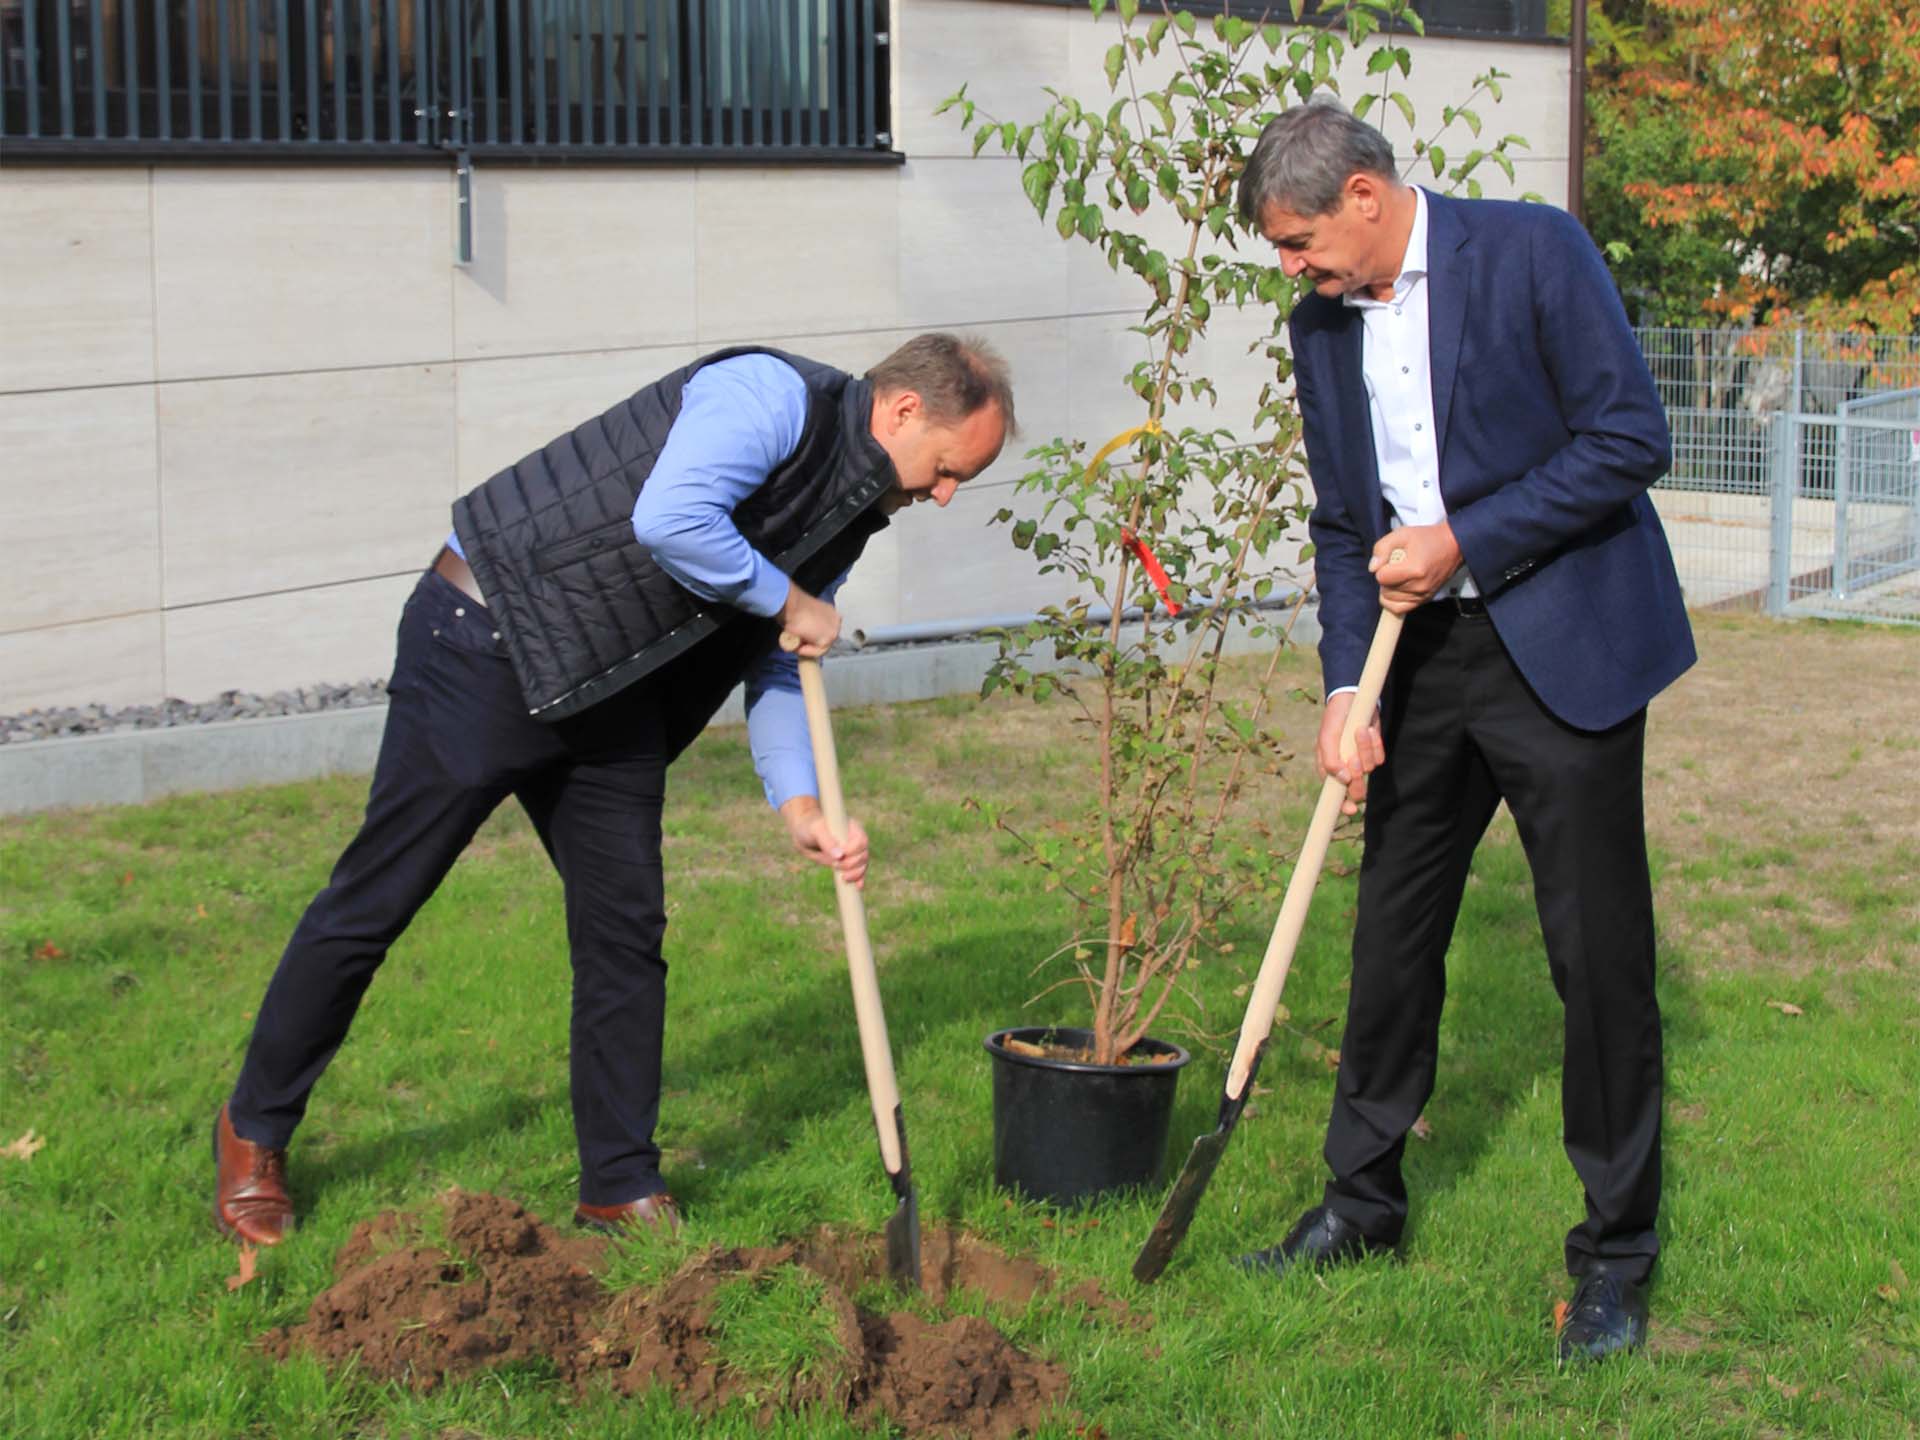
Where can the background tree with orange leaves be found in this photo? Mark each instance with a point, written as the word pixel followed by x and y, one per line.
pixel 1758 161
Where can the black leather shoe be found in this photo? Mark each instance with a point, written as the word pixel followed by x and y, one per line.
pixel 1608 1314
pixel 1321 1238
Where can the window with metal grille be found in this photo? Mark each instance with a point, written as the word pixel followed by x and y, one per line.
pixel 606 79
pixel 1534 20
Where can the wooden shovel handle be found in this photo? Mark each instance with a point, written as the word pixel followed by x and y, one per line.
pixel 1265 1001
pixel 882 1089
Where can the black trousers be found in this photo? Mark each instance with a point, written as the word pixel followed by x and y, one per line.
pixel 458 741
pixel 1463 732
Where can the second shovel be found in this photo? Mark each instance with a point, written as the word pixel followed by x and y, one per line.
pixel 1184 1198
pixel 903 1228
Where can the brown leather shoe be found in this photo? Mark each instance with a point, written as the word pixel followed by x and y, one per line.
pixel 655 1212
pixel 250 1199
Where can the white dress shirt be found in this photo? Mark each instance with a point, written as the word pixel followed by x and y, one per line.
pixel 1394 360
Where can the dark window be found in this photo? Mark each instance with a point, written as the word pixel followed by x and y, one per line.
pixel 574 78
pixel 1511 19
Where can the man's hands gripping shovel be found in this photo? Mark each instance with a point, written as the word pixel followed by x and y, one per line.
pixel 903 1228
pixel 1184 1199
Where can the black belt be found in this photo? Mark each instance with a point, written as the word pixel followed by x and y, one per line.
pixel 1470 607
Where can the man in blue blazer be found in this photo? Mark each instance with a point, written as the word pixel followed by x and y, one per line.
pixel 1473 397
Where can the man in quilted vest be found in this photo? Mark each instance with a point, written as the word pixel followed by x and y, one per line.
pixel 595 605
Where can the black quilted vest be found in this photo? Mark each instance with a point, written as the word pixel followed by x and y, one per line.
pixel 584 609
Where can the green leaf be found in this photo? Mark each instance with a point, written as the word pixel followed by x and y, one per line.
pixel 1099 6
pixel 1404 105
pixel 1184 19
pixel 1139 193
pixel 1024 532
pixel 1473 121
pixel 1128 9
pixel 1379 61
pixel 1037 181
pixel 1217 219
pixel 1044 545
pixel 1363 105
pixel 1157 32
pixel 1116 62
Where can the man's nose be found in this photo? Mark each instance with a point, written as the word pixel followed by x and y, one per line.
pixel 1292 265
pixel 944 491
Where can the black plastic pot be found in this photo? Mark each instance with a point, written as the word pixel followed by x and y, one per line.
pixel 1068 1132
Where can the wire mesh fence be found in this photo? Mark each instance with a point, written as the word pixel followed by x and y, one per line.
pixel 1795 486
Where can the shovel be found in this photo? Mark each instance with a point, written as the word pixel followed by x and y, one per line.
pixel 1184 1198
pixel 903 1228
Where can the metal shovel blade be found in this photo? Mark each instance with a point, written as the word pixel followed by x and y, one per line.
pixel 903 1226
pixel 1177 1214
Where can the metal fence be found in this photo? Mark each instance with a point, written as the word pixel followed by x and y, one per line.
pixel 1795 486
pixel 579 79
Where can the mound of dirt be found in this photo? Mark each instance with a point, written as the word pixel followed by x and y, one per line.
pixel 504 1287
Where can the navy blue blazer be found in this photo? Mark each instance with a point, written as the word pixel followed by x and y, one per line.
pixel 1549 432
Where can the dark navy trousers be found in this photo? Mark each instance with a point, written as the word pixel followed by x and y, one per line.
pixel 1463 732
pixel 458 741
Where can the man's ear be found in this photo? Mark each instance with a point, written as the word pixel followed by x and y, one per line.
pixel 1366 192
pixel 901 408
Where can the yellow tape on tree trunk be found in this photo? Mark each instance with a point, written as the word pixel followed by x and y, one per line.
pixel 1125 437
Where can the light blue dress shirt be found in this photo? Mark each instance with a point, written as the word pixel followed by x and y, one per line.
pixel 739 419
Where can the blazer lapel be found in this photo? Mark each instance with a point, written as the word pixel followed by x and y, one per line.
pixel 1447 285
pixel 1356 420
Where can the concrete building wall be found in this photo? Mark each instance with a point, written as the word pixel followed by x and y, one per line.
pixel 237 401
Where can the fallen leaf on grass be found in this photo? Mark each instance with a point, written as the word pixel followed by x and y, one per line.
pixel 1789 1391
pixel 1899 1275
pixel 48 951
pixel 1559 1316
pixel 1888 1293
pixel 246 1272
pixel 25 1147
pixel 1422 1130
pixel 1785 1007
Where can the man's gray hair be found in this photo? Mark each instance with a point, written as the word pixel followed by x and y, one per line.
pixel 954 376
pixel 1304 157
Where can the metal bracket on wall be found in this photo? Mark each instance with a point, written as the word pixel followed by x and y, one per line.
pixel 463 209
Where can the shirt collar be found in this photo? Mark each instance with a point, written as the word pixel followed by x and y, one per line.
pixel 1413 264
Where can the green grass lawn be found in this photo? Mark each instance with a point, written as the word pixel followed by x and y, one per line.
pixel 135 944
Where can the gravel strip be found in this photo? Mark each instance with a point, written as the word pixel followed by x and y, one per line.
pixel 62 722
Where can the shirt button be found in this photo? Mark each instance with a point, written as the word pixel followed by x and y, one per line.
pixel 1417 425
pixel 1403 369
pixel 459 611
pixel 1426 484
pixel 1396 309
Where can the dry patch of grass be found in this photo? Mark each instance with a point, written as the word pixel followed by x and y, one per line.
pixel 1780 764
